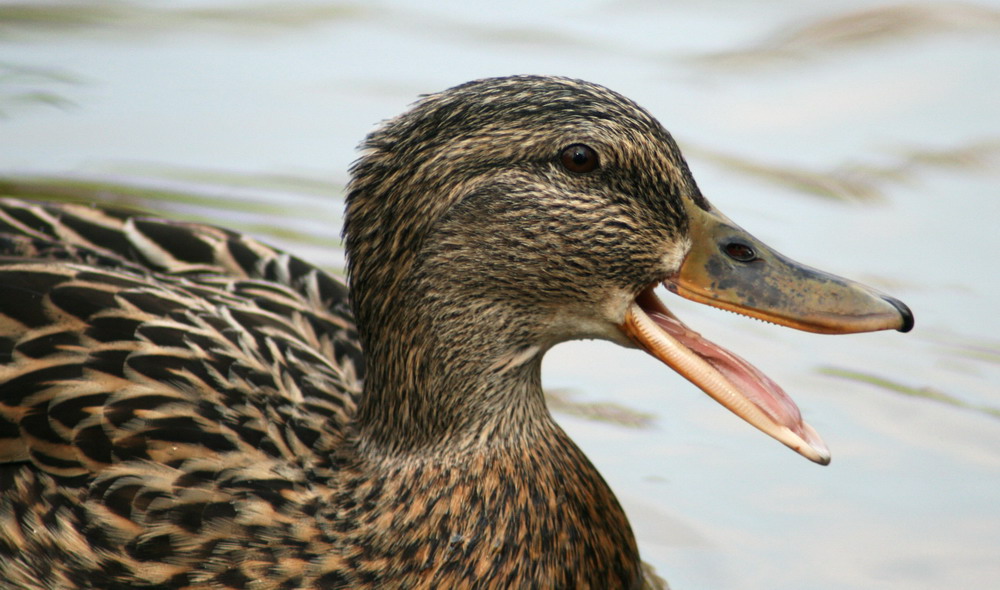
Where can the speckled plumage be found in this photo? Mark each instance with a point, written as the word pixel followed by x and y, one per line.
pixel 182 406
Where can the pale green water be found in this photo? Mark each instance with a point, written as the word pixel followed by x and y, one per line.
pixel 779 104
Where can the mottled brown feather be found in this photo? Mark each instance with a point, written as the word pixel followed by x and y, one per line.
pixel 182 406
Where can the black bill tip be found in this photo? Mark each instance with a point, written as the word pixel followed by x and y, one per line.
pixel 904 311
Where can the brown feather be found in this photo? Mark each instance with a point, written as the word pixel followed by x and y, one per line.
pixel 183 407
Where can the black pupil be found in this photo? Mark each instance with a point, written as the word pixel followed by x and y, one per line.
pixel 740 252
pixel 579 158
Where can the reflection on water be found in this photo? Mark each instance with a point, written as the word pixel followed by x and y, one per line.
pixel 246 114
pixel 860 28
pixel 22 86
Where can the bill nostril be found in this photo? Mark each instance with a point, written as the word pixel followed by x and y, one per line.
pixel 740 252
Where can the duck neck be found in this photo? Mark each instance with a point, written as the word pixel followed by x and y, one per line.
pixel 445 377
pixel 457 408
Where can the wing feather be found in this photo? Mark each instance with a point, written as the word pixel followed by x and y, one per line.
pixel 170 393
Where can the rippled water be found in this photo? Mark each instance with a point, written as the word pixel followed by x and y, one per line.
pixel 862 138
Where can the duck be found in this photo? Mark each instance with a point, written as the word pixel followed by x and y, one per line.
pixel 184 406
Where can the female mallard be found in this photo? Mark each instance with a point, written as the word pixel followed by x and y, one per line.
pixel 182 406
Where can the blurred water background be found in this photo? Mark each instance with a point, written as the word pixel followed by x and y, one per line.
pixel 861 137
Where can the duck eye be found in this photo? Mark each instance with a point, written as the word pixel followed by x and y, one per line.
pixel 740 252
pixel 579 158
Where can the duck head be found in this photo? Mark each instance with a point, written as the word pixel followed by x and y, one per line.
pixel 503 216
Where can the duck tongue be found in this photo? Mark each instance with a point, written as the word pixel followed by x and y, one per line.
pixel 759 389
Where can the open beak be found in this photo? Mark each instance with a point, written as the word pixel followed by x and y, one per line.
pixel 728 268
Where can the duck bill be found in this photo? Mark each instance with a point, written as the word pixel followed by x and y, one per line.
pixel 728 268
